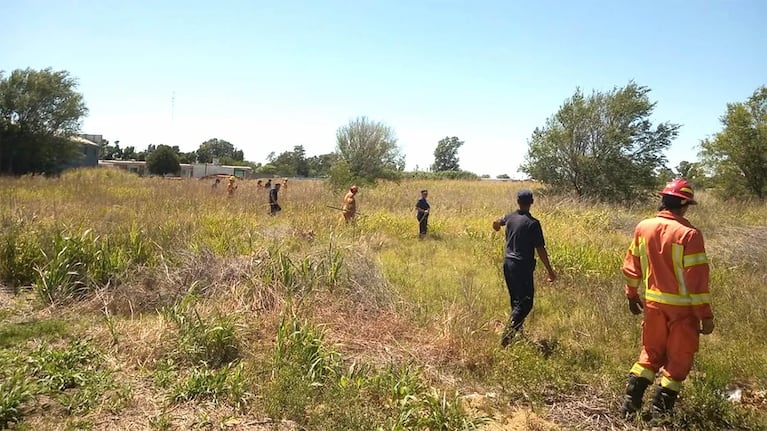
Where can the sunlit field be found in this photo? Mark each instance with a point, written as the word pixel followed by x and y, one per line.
pixel 132 303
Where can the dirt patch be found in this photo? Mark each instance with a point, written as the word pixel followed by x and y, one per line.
pixel 521 420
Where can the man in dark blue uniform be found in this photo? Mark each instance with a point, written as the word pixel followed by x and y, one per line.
pixel 274 206
pixel 422 214
pixel 524 237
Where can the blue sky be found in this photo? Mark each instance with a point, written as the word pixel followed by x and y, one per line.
pixel 269 75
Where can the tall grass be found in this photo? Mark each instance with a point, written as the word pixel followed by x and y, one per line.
pixel 386 299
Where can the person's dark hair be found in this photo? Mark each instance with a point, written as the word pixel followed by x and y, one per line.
pixel 671 203
pixel 424 191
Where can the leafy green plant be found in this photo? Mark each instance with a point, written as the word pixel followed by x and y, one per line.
pixel 19 254
pixel 213 343
pixel 14 391
pixel 226 383
pixel 76 264
pixel 301 345
pixel 165 373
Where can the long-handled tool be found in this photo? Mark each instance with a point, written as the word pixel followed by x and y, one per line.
pixel 341 209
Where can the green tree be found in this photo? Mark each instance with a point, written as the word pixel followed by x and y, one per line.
pixel 319 166
pixel 218 149
pixel 162 161
pixel 446 155
pixel 737 156
pixel 188 158
pixel 110 152
pixel 370 150
pixel 129 153
pixel 602 146
pixel 144 155
pixel 39 111
pixel 291 162
pixel 693 172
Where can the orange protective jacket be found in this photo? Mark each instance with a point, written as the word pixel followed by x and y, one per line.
pixel 667 259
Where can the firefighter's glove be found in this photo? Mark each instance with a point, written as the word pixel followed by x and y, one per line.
pixel 635 306
pixel 707 326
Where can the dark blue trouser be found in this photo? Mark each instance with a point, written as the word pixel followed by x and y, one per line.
pixel 423 222
pixel 519 281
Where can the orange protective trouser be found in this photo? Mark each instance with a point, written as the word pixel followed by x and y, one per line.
pixel 669 340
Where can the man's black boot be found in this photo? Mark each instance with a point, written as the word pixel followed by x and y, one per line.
pixel 663 401
pixel 632 401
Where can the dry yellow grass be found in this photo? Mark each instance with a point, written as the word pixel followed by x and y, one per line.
pixel 382 296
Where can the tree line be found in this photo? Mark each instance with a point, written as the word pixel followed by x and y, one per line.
pixel 601 145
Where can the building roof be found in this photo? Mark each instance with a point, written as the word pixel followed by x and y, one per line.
pixel 81 140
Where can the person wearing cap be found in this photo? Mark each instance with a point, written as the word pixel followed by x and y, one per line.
pixel 274 206
pixel 349 206
pixel 524 237
pixel 667 276
pixel 422 208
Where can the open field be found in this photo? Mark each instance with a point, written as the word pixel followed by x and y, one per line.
pixel 162 305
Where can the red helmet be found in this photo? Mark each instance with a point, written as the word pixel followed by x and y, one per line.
pixel 680 188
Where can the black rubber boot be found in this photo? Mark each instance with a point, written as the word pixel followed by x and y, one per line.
pixel 663 401
pixel 508 335
pixel 632 402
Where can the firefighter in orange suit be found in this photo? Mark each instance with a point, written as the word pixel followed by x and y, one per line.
pixel 667 259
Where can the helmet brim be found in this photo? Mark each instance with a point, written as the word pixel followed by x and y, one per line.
pixel 686 200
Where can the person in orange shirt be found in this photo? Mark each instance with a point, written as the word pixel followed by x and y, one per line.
pixel 349 207
pixel 231 187
pixel 667 259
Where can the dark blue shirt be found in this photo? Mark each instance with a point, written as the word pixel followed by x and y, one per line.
pixel 272 196
pixel 523 235
pixel 422 204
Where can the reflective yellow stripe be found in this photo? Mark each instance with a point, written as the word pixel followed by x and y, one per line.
pixel 631 281
pixel 700 298
pixel 695 259
pixel 634 249
pixel 672 384
pixel 667 298
pixel 644 372
pixel 643 260
pixel 672 299
pixel 677 259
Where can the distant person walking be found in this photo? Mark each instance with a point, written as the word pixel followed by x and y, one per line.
pixel 268 184
pixel 349 206
pixel 524 237
pixel 422 214
pixel 667 258
pixel 274 206
pixel 231 187
pixel 215 184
